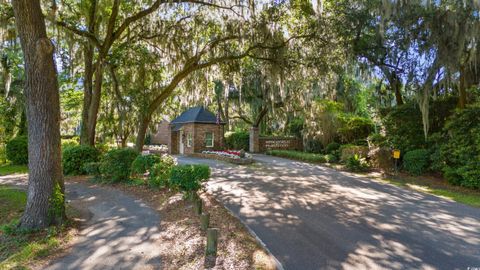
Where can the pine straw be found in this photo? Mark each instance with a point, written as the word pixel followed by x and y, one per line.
pixel 182 242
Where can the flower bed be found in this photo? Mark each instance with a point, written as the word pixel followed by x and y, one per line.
pixel 157 149
pixel 228 156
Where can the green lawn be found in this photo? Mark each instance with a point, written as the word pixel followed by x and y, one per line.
pixel 297 155
pixel 461 195
pixel 7 169
pixel 19 249
pixel 12 202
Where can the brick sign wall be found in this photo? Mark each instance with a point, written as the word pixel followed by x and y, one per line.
pixel 280 144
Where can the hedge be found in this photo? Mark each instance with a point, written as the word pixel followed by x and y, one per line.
pixel 237 140
pixel 417 161
pixel 74 157
pixel 144 163
pixel 188 178
pixel 309 157
pixel 116 164
pixel 160 172
pixel 17 150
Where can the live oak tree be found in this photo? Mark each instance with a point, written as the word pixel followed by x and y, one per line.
pixel 45 181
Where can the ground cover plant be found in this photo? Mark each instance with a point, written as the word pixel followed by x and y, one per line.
pixel 6 169
pixel 297 155
pixel 20 248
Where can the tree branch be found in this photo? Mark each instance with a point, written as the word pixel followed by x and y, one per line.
pixel 79 32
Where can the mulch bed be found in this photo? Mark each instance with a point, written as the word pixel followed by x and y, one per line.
pixel 182 242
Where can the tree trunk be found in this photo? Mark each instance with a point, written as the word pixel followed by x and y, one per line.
pixel 89 50
pixel 43 115
pixel 87 93
pixel 95 102
pixel 396 84
pixel 142 131
pixel 260 116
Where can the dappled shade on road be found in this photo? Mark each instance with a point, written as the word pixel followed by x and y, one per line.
pixel 314 217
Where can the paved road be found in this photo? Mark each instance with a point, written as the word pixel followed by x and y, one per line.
pixel 121 231
pixel 312 217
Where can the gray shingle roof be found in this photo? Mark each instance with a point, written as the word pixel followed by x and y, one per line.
pixel 196 115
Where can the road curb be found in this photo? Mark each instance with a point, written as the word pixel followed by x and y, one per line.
pixel 278 264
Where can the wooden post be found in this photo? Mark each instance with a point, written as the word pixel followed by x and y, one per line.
pixel 212 242
pixel 205 221
pixel 198 206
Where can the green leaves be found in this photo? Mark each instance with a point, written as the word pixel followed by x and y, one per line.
pixel 188 178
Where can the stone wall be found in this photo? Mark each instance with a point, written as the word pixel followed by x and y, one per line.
pixel 278 143
pixel 254 140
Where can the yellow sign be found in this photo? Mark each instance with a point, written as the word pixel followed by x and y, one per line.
pixel 396 154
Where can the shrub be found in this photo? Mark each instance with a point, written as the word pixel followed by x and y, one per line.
pixel 144 163
pixel 69 143
pixel 347 151
pixel 237 140
pixel 416 161
pixel 435 142
pixel 332 158
pixel 377 140
pixel 309 157
pixel 116 164
pixel 103 147
pixel 148 139
pixel 355 128
pixel 92 168
pixel 74 157
pixel 331 147
pixel 460 152
pixel 160 172
pixel 313 146
pixel 404 127
pixel 17 150
pixel 3 154
pixel 356 164
pixel 324 119
pixel 295 127
pixel 188 178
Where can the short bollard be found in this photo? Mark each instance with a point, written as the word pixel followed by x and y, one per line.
pixel 212 241
pixel 204 221
pixel 198 206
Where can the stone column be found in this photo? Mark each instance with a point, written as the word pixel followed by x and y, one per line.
pixel 254 140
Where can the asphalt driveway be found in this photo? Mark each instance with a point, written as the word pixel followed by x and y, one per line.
pixel 313 217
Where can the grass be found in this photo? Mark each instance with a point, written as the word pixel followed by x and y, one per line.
pixel 297 155
pixel 7 169
pixel 12 202
pixel 19 249
pixel 458 194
